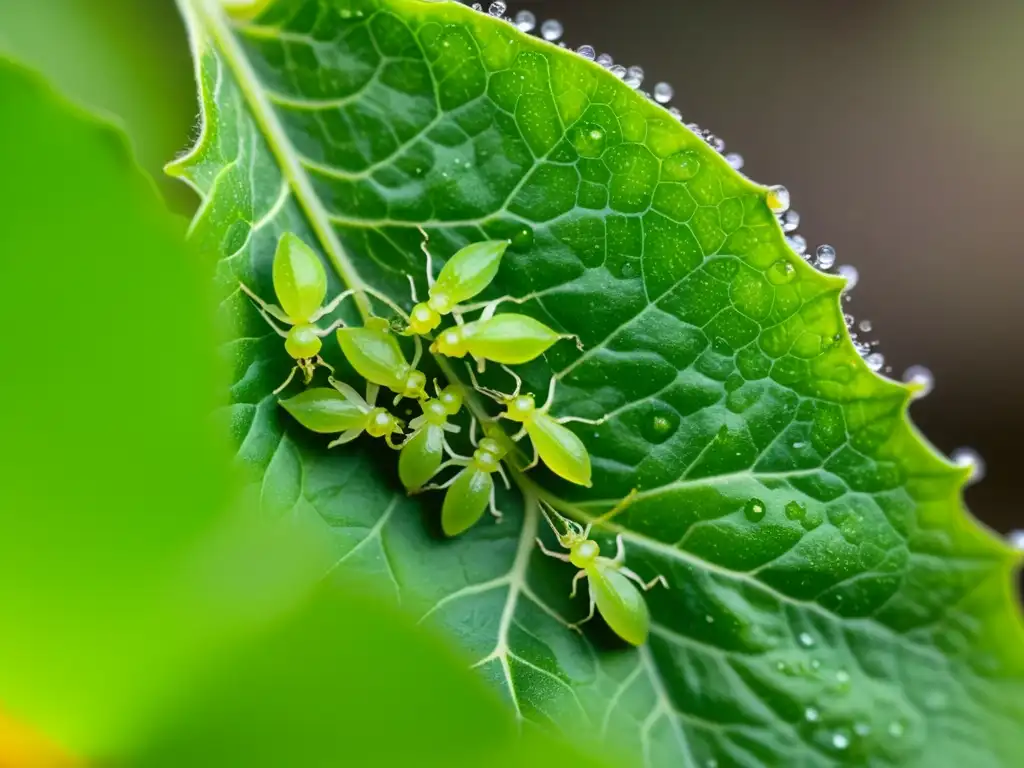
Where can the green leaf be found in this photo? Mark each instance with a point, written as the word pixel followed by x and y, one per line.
pixel 132 634
pixel 830 600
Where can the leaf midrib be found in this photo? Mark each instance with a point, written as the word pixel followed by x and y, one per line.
pixel 296 177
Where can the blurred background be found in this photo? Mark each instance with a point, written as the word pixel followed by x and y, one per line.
pixel 897 125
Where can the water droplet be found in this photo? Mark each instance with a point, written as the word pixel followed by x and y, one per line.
pixel 735 160
pixel 935 701
pixel 840 740
pixel 798 243
pixel 498 8
pixel 618 70
pixel 551 30
pixel 851 274
pixel 921 379
pixel 682 166
pixel 815 664
pixel 589 140
pixel 526 21
pixel 781 272
pixel 862 729
pixel 755 510
pixel 587 52
pixel 476 7
pixel 523 238
pixel 674 111
pixel 811 715
pixel 968 457
pixel 875 361
pixel 634 77
pixel 805 639
pixel 661 426
pixel 778 198
pixel 843 679
pixel 790 221
pixel 795 511
pixel 663 93
pixel 605 60
pixel 628 270
pixel 825 257
pixel 709 619
pixel 1016 540
pixel 711 763
pixel 865 325
pixel 812 520
pixel 717 143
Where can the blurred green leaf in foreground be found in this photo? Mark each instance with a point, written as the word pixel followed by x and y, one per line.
pixel 143 620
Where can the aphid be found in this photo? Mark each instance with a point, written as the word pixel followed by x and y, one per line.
pixel 471 491
pixel 300 283
pixel 464 276
pixel 510 339
pixel 559 448
pixel 423 451
pixel 343 411
pixel 612 588
pixel 374 353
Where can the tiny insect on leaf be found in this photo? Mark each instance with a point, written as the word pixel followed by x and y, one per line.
pixel 300 281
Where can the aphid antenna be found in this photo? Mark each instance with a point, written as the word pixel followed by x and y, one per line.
pixel 498 397
pixel 573 530
pixel 518 380
pixel 425 247
pixel 622 506
pixel 412 289
pixel 272 309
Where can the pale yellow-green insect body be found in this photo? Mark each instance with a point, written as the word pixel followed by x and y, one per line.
pixel 613 587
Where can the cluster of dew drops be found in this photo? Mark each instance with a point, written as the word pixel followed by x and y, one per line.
pixel 823 257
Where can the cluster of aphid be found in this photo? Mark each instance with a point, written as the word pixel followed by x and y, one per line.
pixel 374 352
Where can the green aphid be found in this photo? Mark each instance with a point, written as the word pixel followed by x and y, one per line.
pixel 340 410
pixel 373 351
pixel 471 491
pixel 613 587
pixel 465 275
pixel 300 284
pixel 558 447
pixel 423 451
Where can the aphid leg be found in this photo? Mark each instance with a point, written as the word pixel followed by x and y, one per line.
pixel 418 353
pixel 390 440
pixel 333 305
pixel 576 582
pixel 498 516
pixel 620 549
pixel 308 368
pixel 644 585
pixel 452 453
pixel 346 437
pixel 518 435
pixel 493 394
pixel 287 381
pixel 473 425
pixel 322 332
pixel 557 555
pixel 424 246
pixel 518 380
pixel 593 606
pixel 324 364
pixel 271 309
pixel 453 463
pixel 504 478
pixel 412 290
pixel 271 323
pixel 481 364
pixel 534 462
